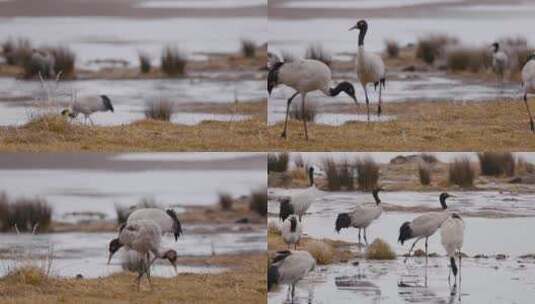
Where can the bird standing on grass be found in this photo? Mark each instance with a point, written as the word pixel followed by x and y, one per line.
pixel 369 66
pixel 88 106
pixel 362 216
pixel 167 221
pixel 304 76
pixel 299 203
pixel 291 231
pixel 424 226
pixel 289 267
pixel 499 63
pixel 528 85
pixel 452 238
pixel 145 237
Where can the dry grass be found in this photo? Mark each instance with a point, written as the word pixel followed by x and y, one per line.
pixel 64 61
pixel 24 214
pixel 277 162
pixel 173 62
pixel 321 251
pixel 424 174
pixel 496 163
pixel 225 201
pixel 144 63
pixel 420 126
pixel 368 174
pixel 431 47
pixel 461 173
pixel 380 250
pixel 16 51
pixel 26 275
pixel 245 280
pixel 339 176
pixel 392 48
pixel 159 110
pixel 468 59
pixel 248 48
pixel 258 202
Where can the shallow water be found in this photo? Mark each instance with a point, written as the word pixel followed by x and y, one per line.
pixel 70 190
pixel 207 4
pixel 362 4
pixel 22 99
pixel 87 254
pixel 93 38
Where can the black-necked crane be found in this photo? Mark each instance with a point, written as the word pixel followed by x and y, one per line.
pixel 289 267
pixel 89 105
pixel 144 236
pixel 424 226
pixel 499 62
pixel 167 220
pixel 528 84
pixel 369 66
pixel 361 216
pixel 452 239
pixel 291 231
pixel 300 202
pixel 304 76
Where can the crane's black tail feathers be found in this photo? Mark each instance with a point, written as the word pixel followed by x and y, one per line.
pixel 177 227
pixel 453 266
pixel 383 82
pixel 107 102
pixel 273 276
pixel 342 221
pixel 286 209
pixel 405 232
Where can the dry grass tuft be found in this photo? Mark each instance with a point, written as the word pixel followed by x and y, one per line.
pixel 144 63
pixel 248 48
pixel 339 176
pixel 17 51
pixel 26 275
pixel 54 123
pixel 24 214
pixel 159 110
pixel 368 174
pixel 225 201
pixel 431 47
pixel 468 59
pixel 278 162
pixel 392 48
pixel 321 251
pixel 64 61
pixel 173 62
pixel 258 202
pixel 461 173
pixel 496 163
pixel 380 250
pixel 424 173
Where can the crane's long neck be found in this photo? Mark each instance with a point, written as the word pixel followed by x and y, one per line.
pixel 375 194
pixel 362 34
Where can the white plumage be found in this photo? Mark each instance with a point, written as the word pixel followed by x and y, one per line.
pixel 304 76
pixel 166 220
pixel 89 105
pixel 370 67
pixel 361 216
pixel 291 231
pixel 528 85
pixel 300 202
pixel 452 239
pixel 499 62
pixel 289 267
pixel 43 62
pixel 424 225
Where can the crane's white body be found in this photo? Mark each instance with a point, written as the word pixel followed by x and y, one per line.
pixel 306 75
pixel 295 266
pixel 291 237
pixel 363 215
pixel 499 63
pixel 88 105
pixel 452 235
pixel 370 67
pixel 427 224
pixel 143 236
pixel 45 63
pixel 528 77
pixel 157 215
pixel 302 200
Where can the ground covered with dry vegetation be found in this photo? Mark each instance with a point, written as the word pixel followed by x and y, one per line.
pixel 245 280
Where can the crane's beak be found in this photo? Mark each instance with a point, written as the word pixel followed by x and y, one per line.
pixel 109 258
pixel 174 266
pixel 354 27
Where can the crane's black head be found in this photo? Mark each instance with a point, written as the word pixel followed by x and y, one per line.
pixel 405 232
pixel 443 196
pixel 286 209
pixel 171 256
pixel 361 25
pixel 342 221
pixel 531 56
pixel 114 246
pixel 345 87
pixel 107 102
pixel 273 76
pixel 293 223
pixel 496 46
pixel 311 175
pixel 68 112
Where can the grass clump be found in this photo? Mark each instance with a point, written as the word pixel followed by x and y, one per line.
pixel 380 250
pixel 424 173
pixel 317 52
pixel 468 59
pixel 16 51
pixel 321 251
pixel 392 48
pixel 55 123
pixel 461 173
pixel 496 163
pixel 173 62
pixel 248 48
pixel 26 274
pixel 278 162
pixel 64 60
pixel 368 174
pixel 24 214
pixel 144 63
pixel 159 110
pixel 258 202
pixel 339 176
pixel 428 158
pixel 296 112
pixel 431 47
pixel 225 201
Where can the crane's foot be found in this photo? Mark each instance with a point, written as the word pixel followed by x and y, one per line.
pixel 532 125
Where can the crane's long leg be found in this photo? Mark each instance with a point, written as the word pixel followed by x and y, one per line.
pixel 283 135
pixel 365 237
pixel 303 112
pixel 426 256
pixel 91 121
pixel 367 101
pixel 380 106
pixel 529 112
pixel 359 236
pixel 460 258
pixel 412 247
pixel 293 292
